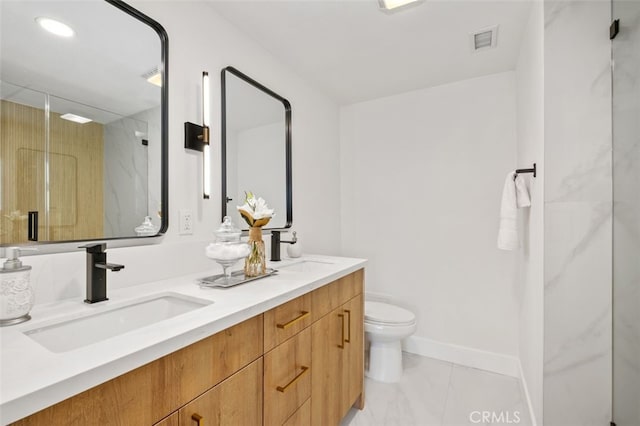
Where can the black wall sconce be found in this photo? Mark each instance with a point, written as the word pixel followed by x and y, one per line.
pixel 196 137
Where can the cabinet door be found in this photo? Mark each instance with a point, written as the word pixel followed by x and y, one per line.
pixel 353 376
pixel 327 346
pixel 235 401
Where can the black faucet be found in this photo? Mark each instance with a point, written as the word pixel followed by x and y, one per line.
pixel 275 244
pixel 97 272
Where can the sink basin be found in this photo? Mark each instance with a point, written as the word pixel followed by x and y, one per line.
pixel 306 266
pixel 75 333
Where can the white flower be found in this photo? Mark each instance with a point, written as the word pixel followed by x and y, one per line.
pixel 255 210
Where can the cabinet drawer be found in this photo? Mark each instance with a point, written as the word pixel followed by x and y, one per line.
pixel 302 417
pixel 329 297
pixel 284 321
pixel 287 378
pixel 235 401
pixel 172 420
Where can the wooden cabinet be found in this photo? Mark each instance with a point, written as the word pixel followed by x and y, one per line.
pixel 149 393
pixel 286 320
pixel 287 378
pixel 302 417
pixel 298 364
pixel 353 375
pixel 172 420
pixel 337 342
pixel 235 401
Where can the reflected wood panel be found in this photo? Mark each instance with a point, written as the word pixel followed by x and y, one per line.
pixel 76 175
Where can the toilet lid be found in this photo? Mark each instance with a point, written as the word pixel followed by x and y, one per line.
pixel 387 314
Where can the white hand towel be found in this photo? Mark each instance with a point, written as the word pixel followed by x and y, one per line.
pixel 508 232
pixel 522 193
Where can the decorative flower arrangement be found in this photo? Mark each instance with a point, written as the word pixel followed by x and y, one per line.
pixel 255 211
pixel 257 214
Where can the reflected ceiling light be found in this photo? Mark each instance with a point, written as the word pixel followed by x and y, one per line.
pixel 394 4
pixel 196 137
pixel 55 27
pixel 76 118
pixel 154 77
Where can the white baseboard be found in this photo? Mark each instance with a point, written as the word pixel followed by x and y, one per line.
pixel 461 355
pixel 469 357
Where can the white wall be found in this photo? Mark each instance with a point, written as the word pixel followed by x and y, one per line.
pixel 530 260
pixel 577 217
pixel 422 176
pixel 199 40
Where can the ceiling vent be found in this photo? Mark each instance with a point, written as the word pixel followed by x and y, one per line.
pixel 486 38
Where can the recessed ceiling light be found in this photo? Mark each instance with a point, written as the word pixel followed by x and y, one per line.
pixel 154 77
pixel 394 4
pixel 55 27
pixel 76 118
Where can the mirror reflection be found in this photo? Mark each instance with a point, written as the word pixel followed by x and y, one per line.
pixel 81 123
pixel 256 143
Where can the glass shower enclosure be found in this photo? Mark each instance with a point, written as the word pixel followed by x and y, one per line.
pixel 626 213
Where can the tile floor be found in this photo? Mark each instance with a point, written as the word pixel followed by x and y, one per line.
pixel 438 393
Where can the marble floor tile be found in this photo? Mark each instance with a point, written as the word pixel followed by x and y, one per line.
pixel 438 393
pixel 473 393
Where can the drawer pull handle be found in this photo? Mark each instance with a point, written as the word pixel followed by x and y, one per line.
pixel 348 339
pixel 303 315
pixel 295 379
pixel 341 345
pixel 198 419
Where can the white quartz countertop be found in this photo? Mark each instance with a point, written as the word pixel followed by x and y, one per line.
pixel 33 378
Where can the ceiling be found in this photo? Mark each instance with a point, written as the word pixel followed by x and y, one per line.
pixel 354 52
pixel 97 73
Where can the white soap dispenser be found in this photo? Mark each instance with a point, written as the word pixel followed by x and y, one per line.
pixel 16 294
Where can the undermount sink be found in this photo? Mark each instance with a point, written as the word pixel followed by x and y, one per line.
pixel 70 334
pixel 306 266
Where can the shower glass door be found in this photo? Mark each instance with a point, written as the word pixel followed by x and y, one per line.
pixel 626 214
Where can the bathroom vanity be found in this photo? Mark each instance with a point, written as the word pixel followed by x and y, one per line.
pixel 285 350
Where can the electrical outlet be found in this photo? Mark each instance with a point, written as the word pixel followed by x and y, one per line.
pixel 186 222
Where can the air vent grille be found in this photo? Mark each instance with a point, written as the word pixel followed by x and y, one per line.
pixel 485 38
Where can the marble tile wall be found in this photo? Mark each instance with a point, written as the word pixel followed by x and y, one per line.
pixel 578 214
pixel 626 215
pixel 125 176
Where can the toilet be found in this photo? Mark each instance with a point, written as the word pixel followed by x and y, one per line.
pixel 385 326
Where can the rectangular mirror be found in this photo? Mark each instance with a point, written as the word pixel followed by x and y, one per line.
pixel 256 148
pixel 83 130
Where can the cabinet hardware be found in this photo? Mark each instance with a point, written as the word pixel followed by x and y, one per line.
pixel 341 345
pixel 348 339
pixel 303 315
pixel 295 379
pixel 198 419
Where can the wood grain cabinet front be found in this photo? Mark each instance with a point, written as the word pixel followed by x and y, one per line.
pixel 235 401
pixel 284 321
pixel 302 417
pixel 337 342
pixel 287 378
pixel 149 393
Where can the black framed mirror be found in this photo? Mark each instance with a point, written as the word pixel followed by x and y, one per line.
pixel 256 148
pixel 84 135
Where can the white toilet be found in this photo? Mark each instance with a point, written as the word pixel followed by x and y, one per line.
pixel 385 326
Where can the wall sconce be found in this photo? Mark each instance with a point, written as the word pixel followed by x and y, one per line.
pixel 196 137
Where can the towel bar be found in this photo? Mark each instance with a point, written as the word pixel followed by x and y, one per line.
pixel 532 170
